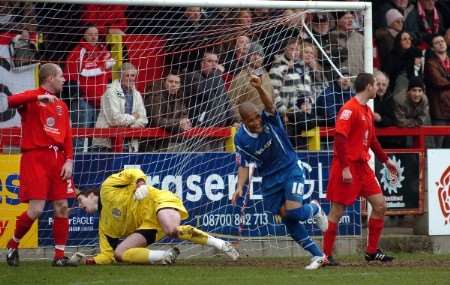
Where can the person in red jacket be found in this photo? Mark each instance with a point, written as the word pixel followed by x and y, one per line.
pixel 351 175
pixel 88 72
pixel 47 160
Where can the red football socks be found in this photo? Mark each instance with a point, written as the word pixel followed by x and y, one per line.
pixel 60 235
pixel 329 237
pixel 375 228
pixel 23 225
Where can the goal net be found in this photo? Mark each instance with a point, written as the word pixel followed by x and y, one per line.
pixel 157 87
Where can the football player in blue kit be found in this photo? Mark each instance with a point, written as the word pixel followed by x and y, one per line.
pixel 262 140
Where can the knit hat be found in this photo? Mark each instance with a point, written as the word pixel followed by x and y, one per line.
pixel 416 82
pixel 256 48
pixel 393 15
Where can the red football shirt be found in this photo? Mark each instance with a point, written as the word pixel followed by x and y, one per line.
pixel 355 122
pixel 43 124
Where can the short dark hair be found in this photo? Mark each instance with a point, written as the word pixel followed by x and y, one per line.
pixel 432 37
pixel 362 80
pixel 87 191
pixel 96 191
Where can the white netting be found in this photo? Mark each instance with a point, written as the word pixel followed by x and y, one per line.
pixel 193 66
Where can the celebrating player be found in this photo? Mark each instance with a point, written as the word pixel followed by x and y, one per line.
pixel 263 140
pixel 140 214
pixel 350 174
pixel 46 162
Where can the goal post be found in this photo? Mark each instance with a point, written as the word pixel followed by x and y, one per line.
pixel 177 141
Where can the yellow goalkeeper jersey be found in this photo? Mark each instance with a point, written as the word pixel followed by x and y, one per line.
pixel 121 215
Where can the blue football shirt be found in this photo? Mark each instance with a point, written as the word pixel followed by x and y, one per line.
pixel 270 150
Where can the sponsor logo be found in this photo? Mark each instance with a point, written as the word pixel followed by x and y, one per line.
pixel 444 194
pixel 265 146
pixel 391 183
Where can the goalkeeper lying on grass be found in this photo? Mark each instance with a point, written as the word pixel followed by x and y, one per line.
pixel 140 215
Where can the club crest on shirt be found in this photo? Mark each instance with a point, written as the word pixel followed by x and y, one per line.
pixel 50 122
pixel 116 213
pixel 345 115
pixel 266 129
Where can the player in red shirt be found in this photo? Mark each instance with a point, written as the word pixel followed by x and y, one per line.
pixel 46 163
pixel 351 175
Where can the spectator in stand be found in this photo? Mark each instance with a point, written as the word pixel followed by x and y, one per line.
pixel 443 6
pixel 17 17
pixel 437 76
pixel 274 39
pixel 302 120
pixel 402 59
pixel 241 90
pixel 321 26
pixel 261 15
pixel 208 103
pixel 383 114
pixel 350 40
pixel 121 106
pixel 333 98
pixel 403 6
pixel 88 71
pixel 385 37
pixel 447 37
pixel 59 25
pixel 313 70
pixel 236 57
pixel 288 77
pixel 413 110
pixel 109 19
pixel 18 30
pixel 183 33
pixel 427 21
pixel 244 19
pixel 166 109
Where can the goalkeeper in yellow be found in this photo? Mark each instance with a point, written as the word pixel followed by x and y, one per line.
pixel 134 215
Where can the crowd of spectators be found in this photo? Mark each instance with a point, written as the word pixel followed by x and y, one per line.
pixel 210 53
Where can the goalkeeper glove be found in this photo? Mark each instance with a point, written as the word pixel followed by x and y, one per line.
pixel 141 192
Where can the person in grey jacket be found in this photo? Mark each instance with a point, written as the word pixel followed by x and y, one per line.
pixel 207 100
pixel 121 106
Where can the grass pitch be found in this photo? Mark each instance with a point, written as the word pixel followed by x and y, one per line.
pixel 408 269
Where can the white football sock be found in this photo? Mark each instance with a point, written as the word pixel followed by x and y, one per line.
pixel 156 255
pixel 215 242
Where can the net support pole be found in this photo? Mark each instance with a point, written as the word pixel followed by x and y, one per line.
pixel 368 36
pixel 368 67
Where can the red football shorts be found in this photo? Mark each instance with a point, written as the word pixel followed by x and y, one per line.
pixel 40 178
pixel 364 183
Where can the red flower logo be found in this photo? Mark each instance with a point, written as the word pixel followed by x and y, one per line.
pixel 444 194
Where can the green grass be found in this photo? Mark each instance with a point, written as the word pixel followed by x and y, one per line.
pixel 407 269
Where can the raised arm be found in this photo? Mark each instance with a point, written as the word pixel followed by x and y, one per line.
pixel 266 99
